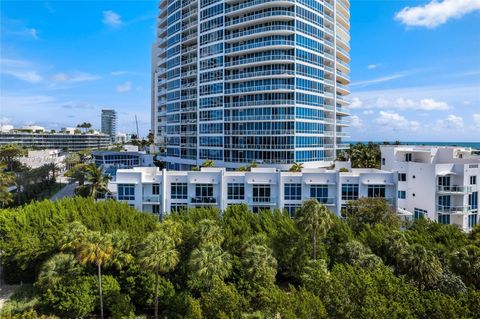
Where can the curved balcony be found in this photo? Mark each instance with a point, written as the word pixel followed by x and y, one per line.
pixel 260 103
pixel 258 132
pixel 260 46
pixel 253 5
pixel 263 118
pixel 277 59
pixel 259 32
pixel 266 88
pixel 260 74
pixel 280 15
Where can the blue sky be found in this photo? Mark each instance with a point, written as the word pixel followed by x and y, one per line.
pixel 415 66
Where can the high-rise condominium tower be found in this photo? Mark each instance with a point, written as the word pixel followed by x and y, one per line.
pixel 109 123
pixel 240 81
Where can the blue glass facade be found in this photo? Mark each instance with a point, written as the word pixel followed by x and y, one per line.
pixel 257 80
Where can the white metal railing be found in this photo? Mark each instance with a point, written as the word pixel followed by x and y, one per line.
pixel 259 16
pixel 259 117
pixel 249 4
pixel 152 198
pixel 260 88
pixel 258 132
pixel 260 102
pixel 454 189
pixel 259 45
pixel 259 30
pixel 464 209
pixel 260 59
pixel 261 200
pixel 257 74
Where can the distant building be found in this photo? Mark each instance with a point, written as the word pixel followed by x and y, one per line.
pixel 66 140
pixel 35 159
pixel 436 182
pixel 109 123
pixel 127 158
pixel 152 190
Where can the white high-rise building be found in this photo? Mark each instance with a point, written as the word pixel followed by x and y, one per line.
pixel 440 183
pixel 251 81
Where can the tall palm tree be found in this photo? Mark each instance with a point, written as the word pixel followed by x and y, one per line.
pixel 160 255
pixel 207 264
pixel 96 249
pixel 260 263
pixel 296 167
pixel 315 219
pixel 98 180
pixel 423 266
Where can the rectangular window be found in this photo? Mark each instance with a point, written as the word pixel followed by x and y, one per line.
pixel 261 193
pixel 419 213
pixel 402 177
pixel 376 191
pixel 444 219
pixel 177 207
pixel 258 209
pixel 472 220
pixel 290 209
pixel 408 157
pixel 236 191
pixel 320 193
pixel 156 189
pixel 203 190
pixel 444 180
pixel 444 202
pixel 402 194
pixel 349 191
pixel 473 200
pixel 473 180
pixel 293 191
pixel 126 192
pixel 156 209
pixel 179 190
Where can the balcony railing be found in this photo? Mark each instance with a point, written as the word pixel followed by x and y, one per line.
pixel 454 209
pixel 203 200
pixel 258 74
pixel 260 59
pixel 152 198
pixel 259 45
pixel 326 200
pixel 261 102
pixel 259 30
pixel 248 4
pixel 454 189
pixel 259 16
pixel 262 200
pixel 274 87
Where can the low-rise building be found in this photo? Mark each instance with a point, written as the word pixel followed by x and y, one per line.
pixel 66 140
pixel 35 159
pixel 152 190
pixel 440 183
pixel 122 159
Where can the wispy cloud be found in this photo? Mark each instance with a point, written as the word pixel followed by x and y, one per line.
pixel 125 87
pixel 111 18
pixel 436 13
pixel 373 66
pixel 74 77
pixel 382 79
pixel 27 76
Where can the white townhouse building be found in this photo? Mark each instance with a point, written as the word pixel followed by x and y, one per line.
pixel 160 191
pixel 437 182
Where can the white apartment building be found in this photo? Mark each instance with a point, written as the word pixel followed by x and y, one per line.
pixel 440 183
pixel 160 191
pixel 36 159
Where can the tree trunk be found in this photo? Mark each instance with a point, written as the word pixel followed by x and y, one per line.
pixel 314 246
pixel 156 293
pixel 100 289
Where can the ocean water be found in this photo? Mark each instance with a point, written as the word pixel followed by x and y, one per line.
pixel 475 145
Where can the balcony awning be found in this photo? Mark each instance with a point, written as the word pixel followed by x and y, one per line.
pixel 404 212
pixel 378 183
pixel 445 173
pixel 203 181
pixel 312 182
pixel 261 181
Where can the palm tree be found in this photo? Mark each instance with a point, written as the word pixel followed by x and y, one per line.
pixel 98 180
pixel 53 168
pixel 160 255
pixel 55 268
pixel 260 264
pixel 315 219
pixel 207 264
pixel 7 179
pixel 208 231
pixel 208 163
pixel 423 266
pixel 296 167
pixel 98 250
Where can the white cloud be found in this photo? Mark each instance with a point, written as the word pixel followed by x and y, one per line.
pixel 75 77
pixel 34 33
pixel 436 13
pixel 396 122
pixel 476 120
pixel 452 122
pixel 356 122
pixel 27 76
pixel 355 103
pixel 368 112
pixel 118 73
pixel 111 18
pixel 373 66
pixel 126 87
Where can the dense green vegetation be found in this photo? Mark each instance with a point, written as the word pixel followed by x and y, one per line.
pixel 237 264
pixel 362 155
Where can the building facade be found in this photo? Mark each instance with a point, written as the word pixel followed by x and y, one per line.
pixel 109 123
pixel 440 183
pixel 36 159
pixel 251 81
pixel 62 141
pixel 152 190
